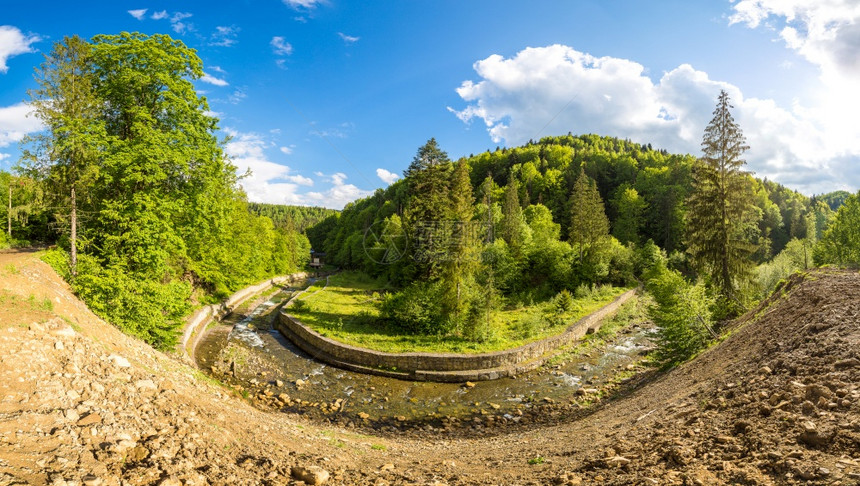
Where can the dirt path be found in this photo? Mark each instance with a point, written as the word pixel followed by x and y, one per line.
pixel 776 403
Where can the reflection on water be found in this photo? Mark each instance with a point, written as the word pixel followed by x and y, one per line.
pixel 252 352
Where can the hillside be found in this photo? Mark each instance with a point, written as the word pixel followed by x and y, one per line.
pixel 778 402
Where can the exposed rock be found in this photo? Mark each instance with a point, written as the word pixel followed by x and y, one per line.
pixel 89 419
pixel 310 474
pixel 119 361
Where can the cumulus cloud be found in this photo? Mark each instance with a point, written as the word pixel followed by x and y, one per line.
pixel 301 180
pixel 139 14
pixel 348 38
pixel 268 181
pixel 280 46
pixel 4 156
pixel 287 150
pixel 159 15
pixel 338 195
pixel 386 176
pixel 12 43
pixel 556 89
pixel 275 183
pixel 208 78
pixel 826 34
pixel 15 124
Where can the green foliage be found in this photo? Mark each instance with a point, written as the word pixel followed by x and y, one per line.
pixel 720 207
pixel 289 217
pixel 164 215
pixel 589 224
pixel 150 310
pixel 629 207
pixel 682 314
pixel 797 255
pixel 840 244
pixel 417 309
pixel 834 199
pixel 563 302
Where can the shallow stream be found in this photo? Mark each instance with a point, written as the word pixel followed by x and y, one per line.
pixel 245 350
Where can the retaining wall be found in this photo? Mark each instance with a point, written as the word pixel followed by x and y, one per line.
pixel 195 326
pixel 448 367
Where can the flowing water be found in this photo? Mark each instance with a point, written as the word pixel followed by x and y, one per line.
pixel 251 353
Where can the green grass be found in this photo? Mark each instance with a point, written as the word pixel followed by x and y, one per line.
pixel 348 310
pixel 537 460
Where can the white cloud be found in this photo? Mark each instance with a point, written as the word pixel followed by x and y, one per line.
pixel 386 176
pixel 555 89
pixel 224 36
pixel 139 14
pixel 826 34
pixel 159 15
pixel 280 46
pixel 176 22
pixel 266 182
pixel 237 96
pixel 12 43
pixel 301 180
pixel 15 124
pixel 4 156
pixel 338 195
pixel 287 150
pixel 208 78
pixel 348 38
pixel 299 4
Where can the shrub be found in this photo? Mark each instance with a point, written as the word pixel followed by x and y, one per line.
pixel 682 314
pixel 563 301
pixel 417 309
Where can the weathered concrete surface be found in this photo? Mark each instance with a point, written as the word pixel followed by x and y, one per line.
pixel 195 326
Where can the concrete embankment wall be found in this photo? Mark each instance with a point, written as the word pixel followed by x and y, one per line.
pixel 447 367
pixel 195 325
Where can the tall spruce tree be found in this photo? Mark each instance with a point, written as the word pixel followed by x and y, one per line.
pixel 460 263
pixel 588 223
pixel 719 205
pixel 429 191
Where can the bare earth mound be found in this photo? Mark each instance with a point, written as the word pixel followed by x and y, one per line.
pixel 777 403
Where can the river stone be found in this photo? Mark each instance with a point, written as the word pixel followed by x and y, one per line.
pixel 310 474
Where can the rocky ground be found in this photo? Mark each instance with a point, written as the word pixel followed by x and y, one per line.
pixel 778 402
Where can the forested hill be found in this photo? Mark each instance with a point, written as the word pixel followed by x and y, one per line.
pixel 643 190
pixel 291 217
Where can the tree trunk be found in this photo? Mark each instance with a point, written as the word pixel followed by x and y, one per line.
pixel 74 236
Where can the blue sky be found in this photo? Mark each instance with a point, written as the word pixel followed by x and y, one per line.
pixel 328 100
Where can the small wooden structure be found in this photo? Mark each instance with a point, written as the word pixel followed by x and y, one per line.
pixel 317 259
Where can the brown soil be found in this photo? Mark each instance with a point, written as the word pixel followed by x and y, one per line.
pixel 778 402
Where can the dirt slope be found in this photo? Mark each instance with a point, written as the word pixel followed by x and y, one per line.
pixel 777 403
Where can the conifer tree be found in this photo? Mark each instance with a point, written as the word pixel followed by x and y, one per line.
pixel 67 153
pixel 460 262
pixel 588 217
pixel 513 214
pixel 719 205
pixel 429 190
